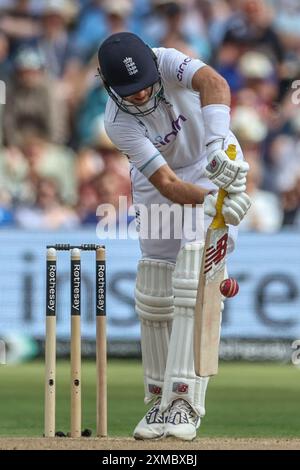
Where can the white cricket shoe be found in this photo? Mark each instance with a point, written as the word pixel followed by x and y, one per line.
pixel 182 422
pixel 152 426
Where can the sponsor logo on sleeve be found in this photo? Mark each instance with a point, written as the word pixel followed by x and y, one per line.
pixel 182 68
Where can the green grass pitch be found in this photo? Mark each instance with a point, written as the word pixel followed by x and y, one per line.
pixel 244 400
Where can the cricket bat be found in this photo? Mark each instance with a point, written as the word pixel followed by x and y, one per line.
pixel 208 302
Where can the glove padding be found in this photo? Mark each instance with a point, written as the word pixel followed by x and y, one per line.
pixel 225 173
pixel 235 207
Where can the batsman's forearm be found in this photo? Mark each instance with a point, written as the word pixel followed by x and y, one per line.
pixel 181 192
pixel 175 189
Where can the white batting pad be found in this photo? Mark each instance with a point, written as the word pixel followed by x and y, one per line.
pixel 180 379
pixel 155 307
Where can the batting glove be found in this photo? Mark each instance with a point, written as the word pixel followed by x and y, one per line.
pixel 225 173
pixel 235 207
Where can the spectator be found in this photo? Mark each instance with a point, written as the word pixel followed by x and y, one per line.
pixel 56 42
pixel 265 214
pixel 97 168
pixel 100 155
pixel 290 182
pixel 5 72
pixel 88 202
pixel 91 29
pixel 174 33
pixel 225 62
pixel 291 203
pixel 6 209
pixel 110 186
pixel 286 22
pixel 251 28
pixel 284 163
pixel 248 126
pixel 215 15
pixel 105 188
pixel 47 212
pixel 20 23
pixel 258 73
pixel 32 97
pixel 91 106
pixel 117 14
pixel 5 65
pixel 13 173
pixel 100 19
pixel 45 159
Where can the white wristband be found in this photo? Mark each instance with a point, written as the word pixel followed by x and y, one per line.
pixel 216 119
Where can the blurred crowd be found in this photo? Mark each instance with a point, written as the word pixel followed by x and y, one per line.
pixel 57 163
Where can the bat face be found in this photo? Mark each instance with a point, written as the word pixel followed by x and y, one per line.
pixel 215 253
pixel 208 303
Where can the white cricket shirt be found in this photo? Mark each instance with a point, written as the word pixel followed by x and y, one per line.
pixel 174 132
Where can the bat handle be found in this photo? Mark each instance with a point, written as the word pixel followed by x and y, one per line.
pixel 218 220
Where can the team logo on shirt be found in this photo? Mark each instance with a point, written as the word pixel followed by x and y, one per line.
pixel 176 127
pixel 130 66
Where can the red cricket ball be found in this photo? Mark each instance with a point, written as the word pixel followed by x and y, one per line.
pixel 229 287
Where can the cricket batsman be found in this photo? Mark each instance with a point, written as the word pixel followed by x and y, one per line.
pixel 170 114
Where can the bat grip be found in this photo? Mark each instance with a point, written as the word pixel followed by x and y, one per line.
pixel 218 220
